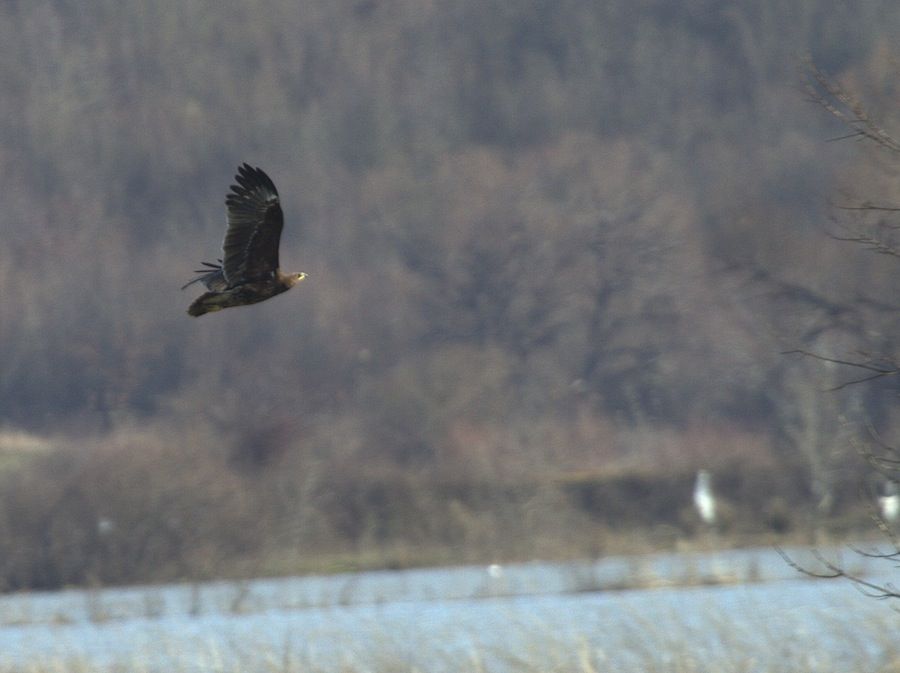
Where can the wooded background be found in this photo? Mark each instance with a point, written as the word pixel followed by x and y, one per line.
pixel 556 252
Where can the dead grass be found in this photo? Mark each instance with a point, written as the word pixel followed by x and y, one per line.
pixel 652 644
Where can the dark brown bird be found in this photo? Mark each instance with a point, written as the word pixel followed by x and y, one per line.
pixel 248 271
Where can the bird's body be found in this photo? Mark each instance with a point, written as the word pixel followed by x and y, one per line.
pixel 251 292
pixel 889 502
pixel 248 273
pixel 704 499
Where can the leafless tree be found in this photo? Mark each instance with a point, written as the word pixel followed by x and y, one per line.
pixel 862 367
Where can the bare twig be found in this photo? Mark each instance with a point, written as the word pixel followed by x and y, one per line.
pixel 870 207
pixel 871 242
pixel 878 371
pixel 844 107
pixel 834 571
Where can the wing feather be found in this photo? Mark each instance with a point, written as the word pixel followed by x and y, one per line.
pixel 212 277
pixel 254 229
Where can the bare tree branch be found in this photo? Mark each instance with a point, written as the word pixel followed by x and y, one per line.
pixel 871 365
pixel 871 242
pixel 870 207
pixel 844 107
pixel 834 571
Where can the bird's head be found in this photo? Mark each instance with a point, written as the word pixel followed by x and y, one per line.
pixel 288 279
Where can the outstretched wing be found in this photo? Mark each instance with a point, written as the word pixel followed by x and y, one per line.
pixel 255 221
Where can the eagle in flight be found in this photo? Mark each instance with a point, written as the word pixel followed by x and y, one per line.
pixel 248 271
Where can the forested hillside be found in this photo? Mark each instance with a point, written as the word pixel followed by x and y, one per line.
pixel 548 243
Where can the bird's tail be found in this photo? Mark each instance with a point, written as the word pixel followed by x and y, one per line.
pixel 205 303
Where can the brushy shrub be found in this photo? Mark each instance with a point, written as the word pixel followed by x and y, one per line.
pixel 129 508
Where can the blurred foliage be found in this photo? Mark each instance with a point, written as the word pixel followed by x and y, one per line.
pixel 540 236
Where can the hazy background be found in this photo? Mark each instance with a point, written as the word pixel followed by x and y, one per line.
pixel 556 249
